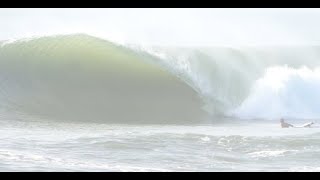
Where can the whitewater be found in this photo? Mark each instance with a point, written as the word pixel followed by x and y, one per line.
pixel 79 102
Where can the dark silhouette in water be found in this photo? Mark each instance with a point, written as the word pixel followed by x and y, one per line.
pixel 284 124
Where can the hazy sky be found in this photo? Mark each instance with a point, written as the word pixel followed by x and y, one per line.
pixel 169 26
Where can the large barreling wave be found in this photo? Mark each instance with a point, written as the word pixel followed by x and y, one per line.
pixel 84 78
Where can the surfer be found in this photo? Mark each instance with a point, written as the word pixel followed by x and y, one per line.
pixel 284 124
pixel 287 125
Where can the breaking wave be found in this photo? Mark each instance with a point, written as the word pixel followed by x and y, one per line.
pixel 85 78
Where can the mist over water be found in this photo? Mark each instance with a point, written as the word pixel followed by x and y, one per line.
pixel 177 90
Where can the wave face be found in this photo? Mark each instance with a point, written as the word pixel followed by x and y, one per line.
pixel 84 78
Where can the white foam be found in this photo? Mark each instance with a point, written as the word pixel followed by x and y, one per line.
pixel 205 139
pixel 283 92
pixel 268 153
pixel 305 169
pixel 69 163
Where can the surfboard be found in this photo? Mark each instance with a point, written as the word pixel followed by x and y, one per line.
pixel 309 124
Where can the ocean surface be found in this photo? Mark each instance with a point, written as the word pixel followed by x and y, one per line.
pixel 47 146
pixel 82 103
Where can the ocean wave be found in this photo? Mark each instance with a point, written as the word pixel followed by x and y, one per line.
pixel 81 77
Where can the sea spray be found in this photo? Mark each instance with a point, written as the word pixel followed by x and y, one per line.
pixel 283 92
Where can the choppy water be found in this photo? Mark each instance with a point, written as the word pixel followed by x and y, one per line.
pixel 243 146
